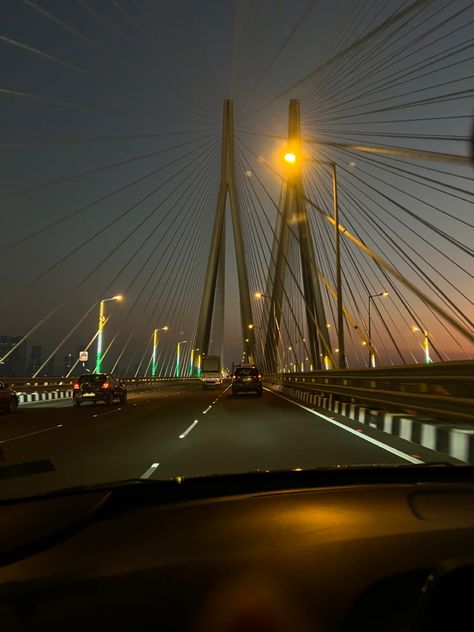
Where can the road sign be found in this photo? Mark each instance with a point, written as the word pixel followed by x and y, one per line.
pixel 83 356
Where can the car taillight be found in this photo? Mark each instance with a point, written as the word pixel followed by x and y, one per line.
pixel 105 385
pixel 76 386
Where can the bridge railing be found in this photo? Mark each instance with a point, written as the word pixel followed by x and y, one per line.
pixel 28 385
pixel 443 390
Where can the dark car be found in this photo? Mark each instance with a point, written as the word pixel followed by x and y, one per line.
pixel 97 387
pixel 247 379
pixel 8 399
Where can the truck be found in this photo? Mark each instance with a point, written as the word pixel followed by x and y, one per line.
pixel 211 371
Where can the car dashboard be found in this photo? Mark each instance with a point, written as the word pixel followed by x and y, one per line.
pixel 353 551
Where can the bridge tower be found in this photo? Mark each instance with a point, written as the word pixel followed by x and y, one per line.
pixel 293 208
pixel 211 313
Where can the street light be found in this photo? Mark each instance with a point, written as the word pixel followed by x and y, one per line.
pixel 337 248
pixel 290 157
pixel 155 346
pixel 254 327
pixel 191 361
pixel 275 328
pixel 426 343
pixel 178 351
pixel 371 349
pixel 100 329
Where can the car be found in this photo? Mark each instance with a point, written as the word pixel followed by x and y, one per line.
pixel 8 399
pixel 95 387
pixel 247 379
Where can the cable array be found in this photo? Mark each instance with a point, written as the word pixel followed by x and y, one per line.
pixel 112 175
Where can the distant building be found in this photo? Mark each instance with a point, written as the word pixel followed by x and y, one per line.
pixel 15 364
pixel 35 360
pixel 68 362
pixel 49 370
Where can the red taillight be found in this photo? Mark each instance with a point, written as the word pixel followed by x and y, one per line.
pixel 76 386
pixel 105 385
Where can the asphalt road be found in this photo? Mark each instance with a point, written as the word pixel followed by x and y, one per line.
pixel 181 430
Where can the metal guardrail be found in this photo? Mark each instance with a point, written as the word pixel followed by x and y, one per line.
pixel 443 390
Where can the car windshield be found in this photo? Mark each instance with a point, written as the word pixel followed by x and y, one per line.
pixel 236 237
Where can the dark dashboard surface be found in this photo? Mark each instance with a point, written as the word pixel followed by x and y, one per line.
pixel 333 556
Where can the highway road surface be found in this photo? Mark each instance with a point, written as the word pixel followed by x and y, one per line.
pixel 182 430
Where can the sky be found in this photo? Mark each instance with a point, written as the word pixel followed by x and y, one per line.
pixel 110 136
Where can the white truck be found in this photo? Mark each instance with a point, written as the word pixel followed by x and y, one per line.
pixel 211 371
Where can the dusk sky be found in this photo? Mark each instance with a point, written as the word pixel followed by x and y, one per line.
pixel 89 84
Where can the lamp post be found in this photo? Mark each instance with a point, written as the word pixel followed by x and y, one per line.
pixel 252 326
pixel 426 344
pixel 340 315
pixel 178 352
pixel 259 296
pixel 100 329
pixel 191 362
pixel 155 346
pixel 370 345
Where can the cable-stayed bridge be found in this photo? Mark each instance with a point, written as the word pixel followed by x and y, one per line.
pixel 309 211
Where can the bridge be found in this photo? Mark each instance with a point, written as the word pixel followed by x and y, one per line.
pixel 320 229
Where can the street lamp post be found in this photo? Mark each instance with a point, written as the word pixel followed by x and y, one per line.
pixel 340 319
pixel 251 326
pixel 370 345
pixel 340 314
pixel 155 346
pixel 259 296
pixel 100 329
pixel 191 362
pixel 426 344
pixel 178 352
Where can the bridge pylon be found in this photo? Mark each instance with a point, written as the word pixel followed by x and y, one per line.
pixel 293 208
pixel 211 313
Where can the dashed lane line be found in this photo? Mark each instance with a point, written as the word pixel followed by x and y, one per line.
pixel 188 430
pixel 30 434
pixel 109 412
pixel 153 467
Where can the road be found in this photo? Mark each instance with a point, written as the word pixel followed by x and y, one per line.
pixel 181 430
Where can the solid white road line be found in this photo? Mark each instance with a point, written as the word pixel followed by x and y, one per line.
pixel 30 434
pixel 153 467
pixel 188 430
pixel 364 437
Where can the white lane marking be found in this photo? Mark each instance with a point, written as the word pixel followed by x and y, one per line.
pixel 30 434
pixel 150 470
pixel 207 410
pixel 364 437
pixel 188 430
pixel 116 410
